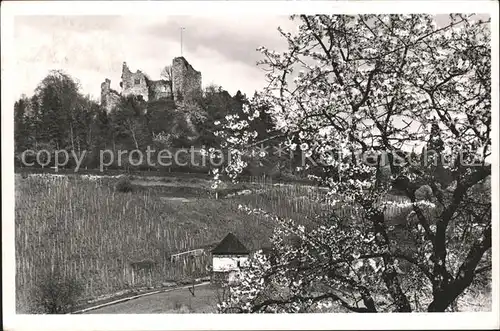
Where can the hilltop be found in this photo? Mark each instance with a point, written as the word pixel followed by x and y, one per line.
pixel 182 83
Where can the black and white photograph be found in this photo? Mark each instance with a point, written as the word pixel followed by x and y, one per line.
pixel 223 158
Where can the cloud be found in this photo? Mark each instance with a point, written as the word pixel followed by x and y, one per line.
pixel 70 23
pixel 235 38
pixel 92 48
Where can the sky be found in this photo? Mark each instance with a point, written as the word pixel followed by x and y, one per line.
pixel 92 48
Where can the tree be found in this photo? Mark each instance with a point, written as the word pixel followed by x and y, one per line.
pixel 192 117
pixel 129 121
pixel 216 103
pixel 160 114
pixel 61 115
pixel 378 84
pixel 34 120
pixel 21 124
pixel 56 293
pixel 167 74
pixel 58 95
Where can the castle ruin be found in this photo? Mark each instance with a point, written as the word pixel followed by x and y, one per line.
pixel 183 85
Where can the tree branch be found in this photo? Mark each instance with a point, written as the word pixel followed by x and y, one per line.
pixel 298 298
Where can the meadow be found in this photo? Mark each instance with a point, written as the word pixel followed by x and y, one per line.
pixel 111 241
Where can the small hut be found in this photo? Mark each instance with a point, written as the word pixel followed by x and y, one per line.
pixel 227 258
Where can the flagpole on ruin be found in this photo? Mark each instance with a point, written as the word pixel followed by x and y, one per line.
pixel 182 28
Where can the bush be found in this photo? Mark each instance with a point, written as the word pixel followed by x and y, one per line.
pixel 182 308
pixel 56 294
pixel 123 185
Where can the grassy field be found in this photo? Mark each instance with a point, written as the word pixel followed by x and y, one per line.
pixel 111 241
pixel 175 301
pixel 205 301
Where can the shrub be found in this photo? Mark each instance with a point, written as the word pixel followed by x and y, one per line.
pixel 181 308
pixel 123 185
pixel 56 294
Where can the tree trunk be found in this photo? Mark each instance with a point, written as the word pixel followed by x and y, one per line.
pixel 133 136
pixel 389 274
pixel 445 295
pixel 72 140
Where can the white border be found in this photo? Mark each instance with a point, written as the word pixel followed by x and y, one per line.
pixel 225 322
pixel 220 8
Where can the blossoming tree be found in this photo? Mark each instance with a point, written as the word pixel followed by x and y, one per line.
pixel 349 86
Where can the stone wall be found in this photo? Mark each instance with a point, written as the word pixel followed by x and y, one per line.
pixel 186 80
pixel 109 97
pixel 225 263
pixel 159 89
pixel 184 87
pixel 134 83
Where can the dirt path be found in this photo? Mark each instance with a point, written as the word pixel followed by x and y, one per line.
pixel 177 300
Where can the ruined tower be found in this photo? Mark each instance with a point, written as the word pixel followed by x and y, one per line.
pixel 134 83
pixel 184 86
pixel 109 97
pixel 185 79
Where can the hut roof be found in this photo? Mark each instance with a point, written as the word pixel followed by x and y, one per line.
pixel 230 245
